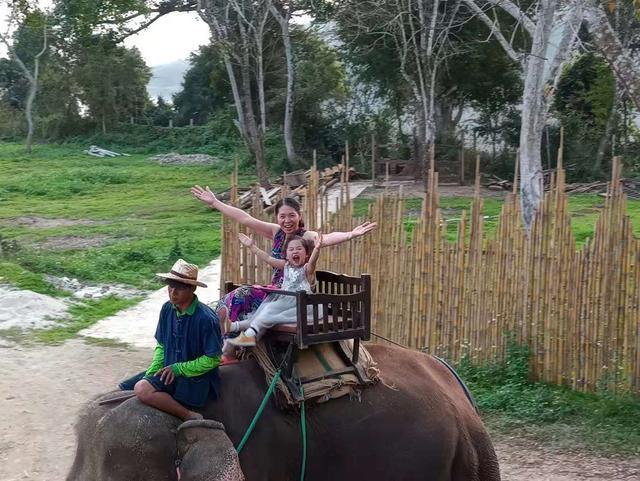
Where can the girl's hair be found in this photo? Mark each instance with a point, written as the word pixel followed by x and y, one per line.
pixel 306 243
pixel 294 204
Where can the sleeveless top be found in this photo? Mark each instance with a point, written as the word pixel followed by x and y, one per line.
pixel 276 253
pixel 295 279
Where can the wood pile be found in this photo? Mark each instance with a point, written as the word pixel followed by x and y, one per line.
pixel 631 187
pixel 96 151
pixel 292 184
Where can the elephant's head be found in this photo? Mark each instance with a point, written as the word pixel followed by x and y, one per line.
pixel 207 453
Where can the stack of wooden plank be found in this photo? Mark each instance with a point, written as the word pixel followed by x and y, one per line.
pixel 295 184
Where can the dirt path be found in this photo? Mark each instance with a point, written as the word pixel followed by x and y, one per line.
pixel 43 388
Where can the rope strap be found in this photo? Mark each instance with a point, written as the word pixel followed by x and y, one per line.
pixel 303 428
pixel 254 421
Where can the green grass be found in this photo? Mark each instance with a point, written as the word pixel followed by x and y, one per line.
pixel 584 210
pixel 83 315
pixel 23 279
pixel 605 423
pixel 141 213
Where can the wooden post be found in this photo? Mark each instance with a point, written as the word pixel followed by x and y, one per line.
pixel 191 122
pixel 170 123
pixel 373 159
pixel 462 160
pixel 131 120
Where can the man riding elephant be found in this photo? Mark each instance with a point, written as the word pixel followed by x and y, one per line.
pixel 416 425
pixel 183 370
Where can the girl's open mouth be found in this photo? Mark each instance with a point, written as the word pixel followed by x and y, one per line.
pixel 296 259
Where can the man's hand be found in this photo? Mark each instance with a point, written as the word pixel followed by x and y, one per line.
pixel 319 241
pixel 166 375
pixel 245 240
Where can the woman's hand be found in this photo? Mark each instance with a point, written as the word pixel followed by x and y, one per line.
pixel 362 229
pixel 205 195
pixel 245 240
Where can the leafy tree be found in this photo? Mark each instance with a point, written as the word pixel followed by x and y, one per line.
pixel 27 54
pixel 585 102
pixel 205 87
pixel 160 113
pixel 112 81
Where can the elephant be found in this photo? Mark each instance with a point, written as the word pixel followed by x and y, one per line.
pixel 417 423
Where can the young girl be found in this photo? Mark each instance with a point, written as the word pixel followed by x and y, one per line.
pixel 299 275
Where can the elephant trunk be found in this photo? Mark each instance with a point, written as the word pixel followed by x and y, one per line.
pixel 206 452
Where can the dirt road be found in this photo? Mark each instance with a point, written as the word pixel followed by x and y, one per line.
pixel 43 387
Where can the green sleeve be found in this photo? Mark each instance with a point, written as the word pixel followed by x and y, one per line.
pixel 158 361
pixel 197 367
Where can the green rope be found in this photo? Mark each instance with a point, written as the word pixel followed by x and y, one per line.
pixel 254 421
pixel 303 423
pixel 303 426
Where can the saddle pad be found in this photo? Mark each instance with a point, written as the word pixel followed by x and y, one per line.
pixel 316 361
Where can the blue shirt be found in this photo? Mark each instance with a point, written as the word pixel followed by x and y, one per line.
pixel 186 337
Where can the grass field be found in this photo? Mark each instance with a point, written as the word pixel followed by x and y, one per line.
pixel 584 209
pixel 107 220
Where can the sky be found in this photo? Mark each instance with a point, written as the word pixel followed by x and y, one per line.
pixel 171 38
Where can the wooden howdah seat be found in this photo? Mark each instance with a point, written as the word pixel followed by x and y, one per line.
pixel 341 309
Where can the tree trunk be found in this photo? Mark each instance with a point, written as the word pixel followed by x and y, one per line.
pixel 33 87
pixel 624 66
pixel 254 140
pixel 283 20
pixel 606 137
pixel 534 113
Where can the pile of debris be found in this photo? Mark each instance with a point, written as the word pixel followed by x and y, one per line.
pixel 86 291
pixel 96 151
pixel 295 182
pixel 631 187
pixel 173 158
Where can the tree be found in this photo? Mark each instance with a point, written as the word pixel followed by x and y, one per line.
pixel 416 36
pixel 160 114
pixel 624 64
pixel 586 103
pixel 282 11
pixel 33 21
pixel 205 87
pixel 112 80
pixel 551 30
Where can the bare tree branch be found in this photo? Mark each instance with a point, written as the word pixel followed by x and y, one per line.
pixel 495 31
pixel 516 12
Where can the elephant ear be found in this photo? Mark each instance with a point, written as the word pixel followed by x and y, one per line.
pixel 206 452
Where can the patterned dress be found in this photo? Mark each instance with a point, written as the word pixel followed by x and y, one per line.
pixel 246 299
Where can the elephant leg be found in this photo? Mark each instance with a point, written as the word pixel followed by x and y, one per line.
pixel 206 452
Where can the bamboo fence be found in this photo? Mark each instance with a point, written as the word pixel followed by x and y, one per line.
pixel 577 309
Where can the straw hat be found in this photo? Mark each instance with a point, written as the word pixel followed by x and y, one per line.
pixel 183 272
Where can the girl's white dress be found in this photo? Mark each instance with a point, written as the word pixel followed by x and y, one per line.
pixel 280 309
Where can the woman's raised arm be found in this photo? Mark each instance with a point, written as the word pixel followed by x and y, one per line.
pixel 335 238
pixel 265 229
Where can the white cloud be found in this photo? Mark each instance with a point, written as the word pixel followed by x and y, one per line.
pixel 170 38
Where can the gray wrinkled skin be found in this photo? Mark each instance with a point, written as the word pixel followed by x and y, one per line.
pixel 415 425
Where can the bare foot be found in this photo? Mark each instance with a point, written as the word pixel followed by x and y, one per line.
pixel 193 416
